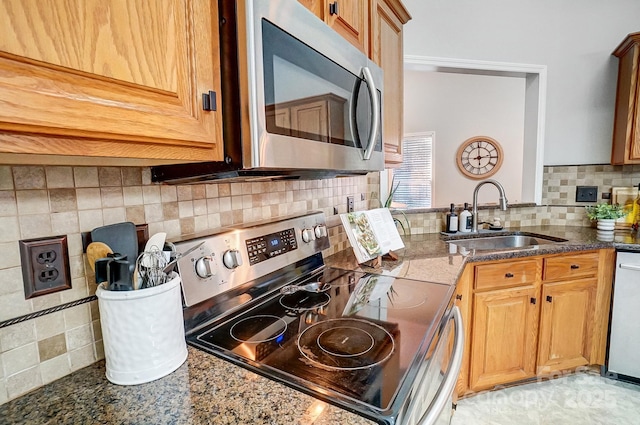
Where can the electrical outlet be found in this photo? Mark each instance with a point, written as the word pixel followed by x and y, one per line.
pixel 45 265
pixel 350 202
pixel 587 194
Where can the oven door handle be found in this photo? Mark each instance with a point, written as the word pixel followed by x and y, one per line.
pixel 443 396
pixel 375 112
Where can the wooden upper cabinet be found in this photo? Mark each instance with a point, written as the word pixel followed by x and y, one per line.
pixel 626 124
pixel 347 17
pixel 386 49
pixel 109 78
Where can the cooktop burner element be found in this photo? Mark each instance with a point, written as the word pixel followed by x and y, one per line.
pixel 345 344
pixel 303 301
pixel 260 328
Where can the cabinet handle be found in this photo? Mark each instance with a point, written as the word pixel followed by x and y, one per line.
pixel 575 266
pixel 549 298
pixel 333 8
pixel 508 275
pixel 532 300
pixel 209 102
pixel 459 297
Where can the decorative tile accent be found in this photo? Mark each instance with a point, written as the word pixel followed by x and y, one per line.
pixel 29 178
pixel 6 178
pixel 52 347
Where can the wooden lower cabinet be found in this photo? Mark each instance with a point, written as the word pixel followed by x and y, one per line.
pixel 566 325
pixel 504 337
pixel 553 317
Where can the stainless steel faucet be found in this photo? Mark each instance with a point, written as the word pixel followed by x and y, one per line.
pixel 503 201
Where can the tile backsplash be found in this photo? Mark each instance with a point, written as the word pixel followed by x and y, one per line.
pixel 39 201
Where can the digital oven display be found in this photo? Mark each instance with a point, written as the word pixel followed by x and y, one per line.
pixel 272 245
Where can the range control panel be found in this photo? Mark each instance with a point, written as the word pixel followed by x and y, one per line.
pixel 268 246
pixel 225 260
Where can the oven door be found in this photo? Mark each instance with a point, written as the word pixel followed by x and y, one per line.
pixel 316 100
pixel 432 401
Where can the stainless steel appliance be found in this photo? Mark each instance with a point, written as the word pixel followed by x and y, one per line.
pixel 624 335
pixel 298 100
pixel 375 345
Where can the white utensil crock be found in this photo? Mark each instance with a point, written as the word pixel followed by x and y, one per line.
pixel 143 332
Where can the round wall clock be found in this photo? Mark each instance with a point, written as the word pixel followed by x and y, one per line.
pixel 479 157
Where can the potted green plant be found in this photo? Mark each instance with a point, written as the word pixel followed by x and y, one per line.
pixel 605 214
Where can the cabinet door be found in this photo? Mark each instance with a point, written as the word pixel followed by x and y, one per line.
pixel 504 336
pixel 566 324
pixel 347 17
pixel 108 78
pixel 626 124
pixel 387 18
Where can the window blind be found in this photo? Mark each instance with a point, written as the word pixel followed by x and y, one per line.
pixel 415 175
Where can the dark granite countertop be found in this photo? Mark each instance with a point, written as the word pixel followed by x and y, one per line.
pixel 204 390
pixel 208 390
pixel 430 257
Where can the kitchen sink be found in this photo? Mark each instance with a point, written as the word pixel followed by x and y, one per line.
pixel 503 242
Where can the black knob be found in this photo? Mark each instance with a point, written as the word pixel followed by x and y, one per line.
pixel 575 266
pixel 508 275
pixel 459 297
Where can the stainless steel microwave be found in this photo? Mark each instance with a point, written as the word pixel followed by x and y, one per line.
pixel 298 100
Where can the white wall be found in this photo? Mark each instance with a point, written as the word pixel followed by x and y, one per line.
pixel 574 39
pixel 458 107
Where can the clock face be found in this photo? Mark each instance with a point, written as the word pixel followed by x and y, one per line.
pixel 479 157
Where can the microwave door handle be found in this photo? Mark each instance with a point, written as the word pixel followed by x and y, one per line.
pixel 375 117
pixel 443 396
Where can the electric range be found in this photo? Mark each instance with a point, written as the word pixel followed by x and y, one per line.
pixel 364 342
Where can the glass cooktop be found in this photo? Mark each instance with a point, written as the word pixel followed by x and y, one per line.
pixel 357 340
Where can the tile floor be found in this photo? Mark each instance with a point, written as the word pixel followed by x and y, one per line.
pixel 581 398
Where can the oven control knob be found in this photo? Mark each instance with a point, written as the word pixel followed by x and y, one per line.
pixel 231 258
pixel 203 267
pixel 320 231
pixel 308 235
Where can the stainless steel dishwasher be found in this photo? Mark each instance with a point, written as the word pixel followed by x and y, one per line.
pixel 624 336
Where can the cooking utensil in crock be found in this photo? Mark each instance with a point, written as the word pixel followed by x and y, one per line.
pixel 179 255
pixel 95 251
pixel 121 237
